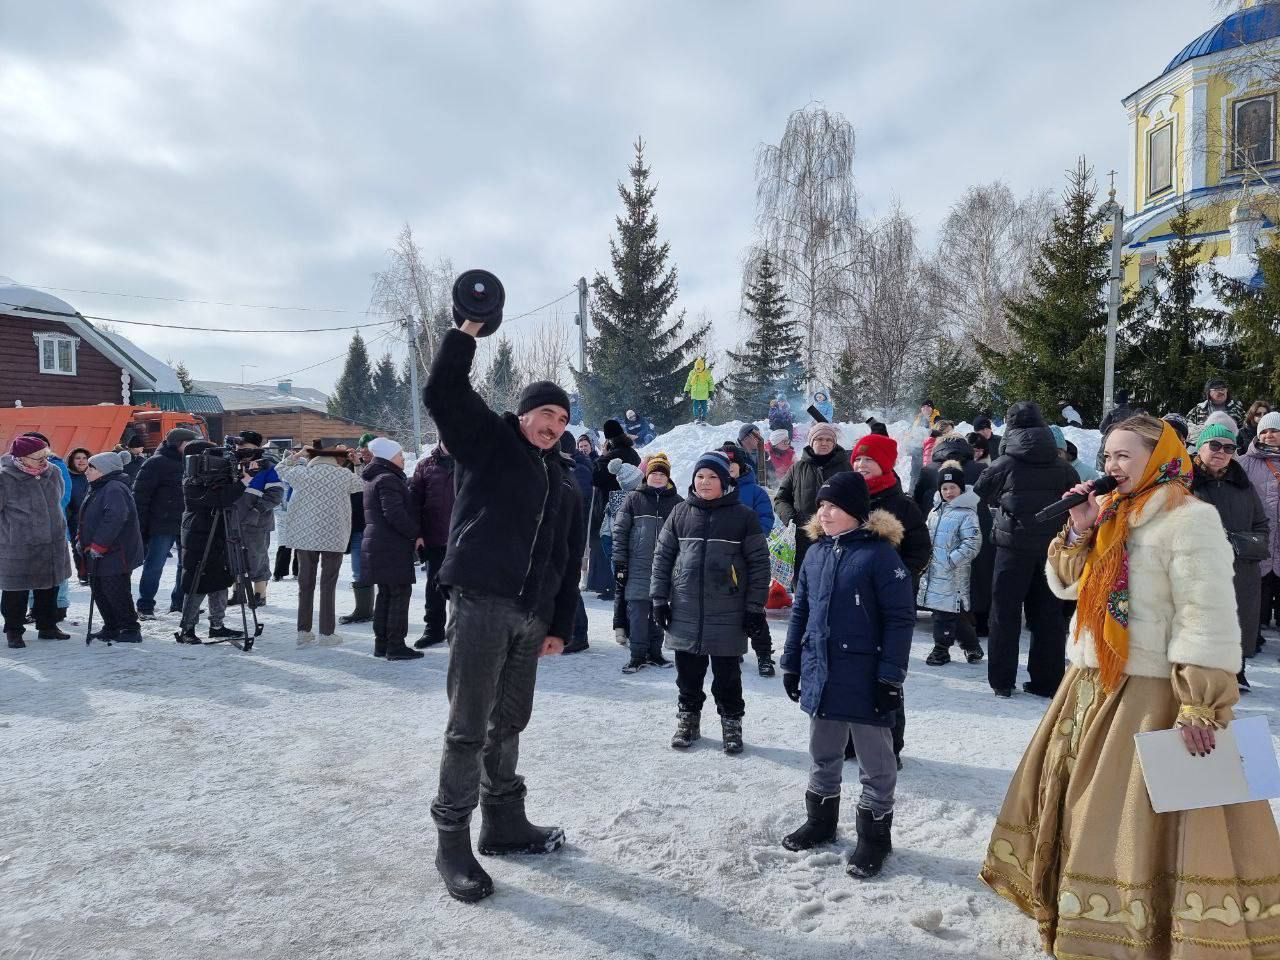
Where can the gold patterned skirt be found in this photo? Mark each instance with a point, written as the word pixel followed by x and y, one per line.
pixel 1078 848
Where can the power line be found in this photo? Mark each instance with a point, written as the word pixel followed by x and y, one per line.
pixel 521 316
pixel 210 303
pixel 280 376
pixel 177 326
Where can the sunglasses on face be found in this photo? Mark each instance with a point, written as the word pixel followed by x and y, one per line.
pixel 1218 446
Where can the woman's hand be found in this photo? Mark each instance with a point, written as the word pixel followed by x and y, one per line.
pixel 1084 515
pixel 1199 740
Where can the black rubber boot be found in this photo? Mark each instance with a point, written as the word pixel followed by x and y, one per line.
pixel 15 639
pixel 462 874
pixel 874 844
pixel 687 723
pixel 823 813
pixel 731 734
pixel 363 613
pixel 504 829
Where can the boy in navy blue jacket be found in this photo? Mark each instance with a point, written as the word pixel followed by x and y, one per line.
pixel 845 661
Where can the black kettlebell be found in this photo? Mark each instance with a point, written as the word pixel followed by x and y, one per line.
pixel 478 296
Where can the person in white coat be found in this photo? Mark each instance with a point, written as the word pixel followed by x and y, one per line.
pixel 319 529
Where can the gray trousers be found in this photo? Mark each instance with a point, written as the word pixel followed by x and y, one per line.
pixel 257 546
pixel 493 663
pixel 330 565
pixel 646 636
pixel 877 766
pixel 217 608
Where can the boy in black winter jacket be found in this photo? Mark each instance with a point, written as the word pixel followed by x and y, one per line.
pixel 710 582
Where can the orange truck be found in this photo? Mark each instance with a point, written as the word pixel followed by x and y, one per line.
pixel 96 428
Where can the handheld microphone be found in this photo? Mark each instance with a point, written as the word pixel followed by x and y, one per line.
pixel 1062 507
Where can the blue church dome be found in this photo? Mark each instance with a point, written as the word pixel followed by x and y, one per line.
pixel 1250 25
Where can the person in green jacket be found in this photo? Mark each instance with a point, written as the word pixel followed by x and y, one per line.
pixel 699 387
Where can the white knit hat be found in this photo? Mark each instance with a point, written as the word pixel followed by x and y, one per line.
pixel 777 436
pixel 384 447
pixel 1270 422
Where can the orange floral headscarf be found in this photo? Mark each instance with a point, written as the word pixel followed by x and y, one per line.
pixel 1104 586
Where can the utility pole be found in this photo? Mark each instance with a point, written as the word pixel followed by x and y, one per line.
pixel 582 324
pixel 415 401
pixel 1113 300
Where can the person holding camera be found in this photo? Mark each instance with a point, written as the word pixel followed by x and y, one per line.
pixel 256 512
pixel 157 490
pixel 208 489
pixel 511 572
pixel 319 530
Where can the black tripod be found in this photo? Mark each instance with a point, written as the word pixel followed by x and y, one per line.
pixel 238 565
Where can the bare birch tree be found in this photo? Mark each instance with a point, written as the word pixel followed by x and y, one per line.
pixel 544 350
pixel 888 332
pixel 985 247
pixel 409 288
pixel 807 213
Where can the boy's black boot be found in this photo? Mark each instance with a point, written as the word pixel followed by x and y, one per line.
pixel 687 724
pixel 731 734
pixel 823 813
pixel 874 844
pixel 938 656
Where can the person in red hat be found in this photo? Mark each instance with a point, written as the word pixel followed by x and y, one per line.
pixel 874 456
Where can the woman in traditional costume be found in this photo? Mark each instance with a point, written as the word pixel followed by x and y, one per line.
pixel 1077 845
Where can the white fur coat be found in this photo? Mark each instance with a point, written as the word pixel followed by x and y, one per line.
pixel 1182 604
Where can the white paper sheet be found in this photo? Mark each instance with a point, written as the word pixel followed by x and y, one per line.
pixel 1242 767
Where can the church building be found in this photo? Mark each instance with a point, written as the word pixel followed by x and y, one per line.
pixel 1204 132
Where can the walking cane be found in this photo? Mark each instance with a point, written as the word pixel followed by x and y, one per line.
pixel 88 634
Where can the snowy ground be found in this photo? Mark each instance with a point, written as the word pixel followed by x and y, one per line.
pixel 169 802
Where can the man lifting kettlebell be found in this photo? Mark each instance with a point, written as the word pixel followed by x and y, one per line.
pixel 515 549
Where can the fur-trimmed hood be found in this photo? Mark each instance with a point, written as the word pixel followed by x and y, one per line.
pixel 881 523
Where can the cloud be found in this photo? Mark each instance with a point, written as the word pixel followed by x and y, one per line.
pixel 268 152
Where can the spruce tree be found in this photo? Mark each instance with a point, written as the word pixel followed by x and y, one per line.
pixel 184 377
pixel 950 379
pixel 389 399
pixel 770 362
pixel 1252 325
pixel 1059 326
pixel 1170 359
pixel 502 380
pixel 638 359
pixel 352 394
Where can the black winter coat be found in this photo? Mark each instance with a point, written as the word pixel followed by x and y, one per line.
pixel 947 448
pixel 109 518
pixel 916 547
pixel 204 504
pixel 797 497
pixel 391 528
pixel 712 566
pixel 517 528
pixel 432 489
pixel 132 467
pixel 157 490
pixel 79 491
pixel 1028 476
pixel 1249 532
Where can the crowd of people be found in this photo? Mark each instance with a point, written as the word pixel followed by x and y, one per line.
pixel 503 512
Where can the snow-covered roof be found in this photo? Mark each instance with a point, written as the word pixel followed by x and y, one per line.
pixel 147 372
pixel 236 396
pixel 166 380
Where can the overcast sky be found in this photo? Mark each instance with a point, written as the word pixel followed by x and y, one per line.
pixel 269 152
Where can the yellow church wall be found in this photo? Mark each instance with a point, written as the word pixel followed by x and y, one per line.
pixel 1146 124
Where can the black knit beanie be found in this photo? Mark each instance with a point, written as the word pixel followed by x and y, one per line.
pixel 542 393
pixel 848 491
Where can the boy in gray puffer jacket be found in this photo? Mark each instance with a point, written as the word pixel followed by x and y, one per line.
pixel 944 588
pixel 710 582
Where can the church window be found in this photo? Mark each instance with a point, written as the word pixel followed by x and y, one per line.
pixel 1254 132
pixel 1160 159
